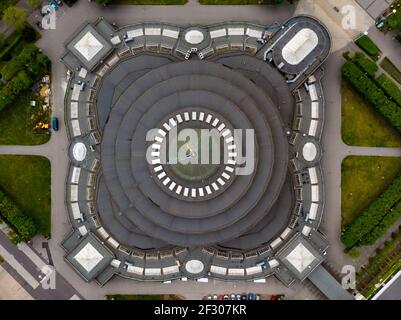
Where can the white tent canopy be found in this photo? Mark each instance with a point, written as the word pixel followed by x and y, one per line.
pixel 300 46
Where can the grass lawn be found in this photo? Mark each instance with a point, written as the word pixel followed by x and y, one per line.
pixel 362 180
pixel 391 69
pixel 361 125
pixel 15 127
pixel 150 2
pixel 26 180
pixel 142 297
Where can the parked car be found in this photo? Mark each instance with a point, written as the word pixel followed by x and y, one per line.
pixel 54 5
pixel 244 296
pixel 251 296
pixel 226 297
pixel 209 297
pixel 215 297
pixel 233 296
pixel 258 297
pixel 221 297
pixel 54 123
pixel 238 297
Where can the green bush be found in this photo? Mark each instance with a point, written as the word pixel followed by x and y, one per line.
pixel 367 45
pixel 373 94
pixel 394 21
pixel 390 88
pixel 22 224
pixel 10 46
pixel 378 231
pixel 354 253
pixel 365 64
pixel 371 223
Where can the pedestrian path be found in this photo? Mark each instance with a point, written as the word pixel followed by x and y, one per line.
pixel 18 267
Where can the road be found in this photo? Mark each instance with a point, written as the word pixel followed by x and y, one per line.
pixel 193 13
pixel 27 268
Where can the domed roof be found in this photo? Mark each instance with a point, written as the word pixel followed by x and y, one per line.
pixel 79 151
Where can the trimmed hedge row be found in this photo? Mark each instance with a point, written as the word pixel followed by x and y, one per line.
pixel 370 223
pixel 365 64
pixel 374 94
pixel 7 49
pixel 388 220
pixel 22 80
pixel 22 224
pixel 390 88
pixel 367 45
pixel 12 67
pixel 14 87
pixel 394 21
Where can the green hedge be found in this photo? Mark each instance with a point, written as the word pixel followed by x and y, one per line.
pixel 69 2
pixel 365 64
pixel 388 220
pixel 24 77
pixel 367 45
pixel 394 21
pixel 13 66
pixel 370 224
pixel 22 224
pixel 390 88
pixel 9 47
pixel 373 94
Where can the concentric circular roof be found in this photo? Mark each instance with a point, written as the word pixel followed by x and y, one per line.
pixel 157 200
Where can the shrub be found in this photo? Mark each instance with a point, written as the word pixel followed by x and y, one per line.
pixel 22 224
pixel 10 46
pixel 13 66
pixel 390 88
pixel 373 94
pixel 70 2
pixel 15 17
pixel 365 64
pixel 399 37
pixel 394 21
pixel 375 218
pixel 367 45
pixel 354 253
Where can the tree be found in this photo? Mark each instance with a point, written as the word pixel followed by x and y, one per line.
pixel 15 17
pixel 2 40
pixel 33 3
